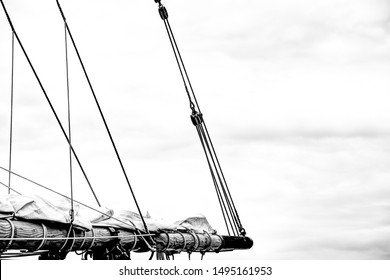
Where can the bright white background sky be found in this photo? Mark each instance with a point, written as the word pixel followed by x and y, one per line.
pixel 295 94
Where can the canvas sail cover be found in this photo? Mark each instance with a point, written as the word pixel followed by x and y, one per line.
pixel 38 209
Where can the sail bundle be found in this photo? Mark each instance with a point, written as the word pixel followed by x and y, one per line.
pixel 34 224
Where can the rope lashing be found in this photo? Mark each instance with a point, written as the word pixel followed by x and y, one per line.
pixel 222 243
pixel 44 228
pixel 229 211
pixel 82 244
pixel 69 237
pixel 11 239
pixel 210 243
pixel 93 240
pixel 184 243
pixel 161 250
pixel 135 242
pixel 196 241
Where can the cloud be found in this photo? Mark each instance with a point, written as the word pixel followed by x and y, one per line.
pixel 337 30
pixel 317 198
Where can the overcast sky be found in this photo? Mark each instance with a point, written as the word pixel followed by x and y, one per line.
pixel 295 94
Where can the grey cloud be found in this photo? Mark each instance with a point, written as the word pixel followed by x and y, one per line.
pixel 307 29
pixel 280 134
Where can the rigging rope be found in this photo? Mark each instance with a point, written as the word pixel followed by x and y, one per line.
pixel 229 211
pixel 103 118
pixel 71 212
pixel 48 99
pixel 12 111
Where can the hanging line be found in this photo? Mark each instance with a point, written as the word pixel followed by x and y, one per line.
pixel 225 199
pixel 103 118
pixel 71 212
pixel 12 112
pixel 48 100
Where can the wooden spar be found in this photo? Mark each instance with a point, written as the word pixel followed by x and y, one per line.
pixel 34 236
pixel 22 235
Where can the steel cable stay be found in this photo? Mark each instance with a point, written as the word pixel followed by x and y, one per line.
pixel 102 116
pixel 48 100
pixel 228 208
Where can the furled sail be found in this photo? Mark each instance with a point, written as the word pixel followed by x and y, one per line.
pixel 34 224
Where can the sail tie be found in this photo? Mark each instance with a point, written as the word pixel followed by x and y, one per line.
pixel 44 228
pixel 12 234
